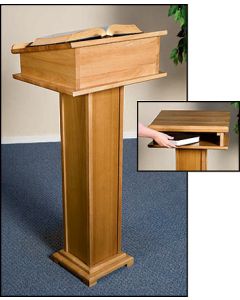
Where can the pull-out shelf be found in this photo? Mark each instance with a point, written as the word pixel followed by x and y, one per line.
pixel 212 141
pixel 211 126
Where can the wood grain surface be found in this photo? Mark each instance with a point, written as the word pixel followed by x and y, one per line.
pixel 91 134
pixel 56 67
pixel 91 148
pixel 191 160
pixel 191 121
pixel 73 92
pixel 114 62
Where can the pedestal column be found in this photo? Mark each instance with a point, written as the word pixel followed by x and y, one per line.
pixel 91 136
pixel 191 159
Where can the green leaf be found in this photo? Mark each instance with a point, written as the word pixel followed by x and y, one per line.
pixel 177 15
pixel 181 43
pixel 173 53
pixel 184 13
pixel 174 56
pixel 172 10
pixel 236 104
pixel 236 127
pixel 175 60
pixel 181 21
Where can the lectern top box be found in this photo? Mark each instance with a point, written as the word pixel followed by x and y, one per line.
pixel 77 68
pixel 212 126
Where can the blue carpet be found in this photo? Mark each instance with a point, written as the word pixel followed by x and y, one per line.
pixel 154 227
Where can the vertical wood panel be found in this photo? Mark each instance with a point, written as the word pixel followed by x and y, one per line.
pixel 120 167
pixel 191 160
pixel 57 67
pixel 91 130
pixel 75 174
pixel 105 184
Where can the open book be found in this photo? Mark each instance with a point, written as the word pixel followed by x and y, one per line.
pixel 184 138
pixel 112 30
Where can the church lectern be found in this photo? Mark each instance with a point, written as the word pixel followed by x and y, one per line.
pixel 90 77
pixel 211 126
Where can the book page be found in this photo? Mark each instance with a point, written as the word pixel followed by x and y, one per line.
pixel 122 29
pixel 69 36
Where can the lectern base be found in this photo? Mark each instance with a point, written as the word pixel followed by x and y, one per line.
pixel 191 159
pixel 90 275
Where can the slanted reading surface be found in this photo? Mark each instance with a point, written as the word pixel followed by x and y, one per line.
pixel 112 30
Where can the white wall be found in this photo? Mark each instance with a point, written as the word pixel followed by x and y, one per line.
pixel 32 113
pixel 164 159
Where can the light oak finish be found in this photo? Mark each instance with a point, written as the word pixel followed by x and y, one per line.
pixel 212 143
pixel 108 63
pixel 90 77
pixel 222 138
pixel 211 126
pixel 24 47
pixel 90 275
pixel 98 65
pixel 57 66
pixel 91 133
pixel 191 160
pixel 19 47
pixel 74 93
pixel 191 121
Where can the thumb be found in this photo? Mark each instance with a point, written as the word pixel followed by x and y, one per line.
pixel 170 137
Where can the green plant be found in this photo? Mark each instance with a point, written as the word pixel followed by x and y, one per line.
pixel 179 13
pixel 236 104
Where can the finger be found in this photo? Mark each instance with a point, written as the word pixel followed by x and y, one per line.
pixel 171 145
pixel 167 145
pixel 170 137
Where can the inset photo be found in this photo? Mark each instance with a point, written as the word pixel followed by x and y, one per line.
pixel 188 136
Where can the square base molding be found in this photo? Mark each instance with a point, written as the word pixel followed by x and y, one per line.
pixel 90 275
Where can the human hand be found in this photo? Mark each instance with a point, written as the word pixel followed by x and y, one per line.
pixel 163 140
pixel 160 138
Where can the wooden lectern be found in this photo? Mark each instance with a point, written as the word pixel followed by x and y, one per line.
pixel 90 77
pixel 211 126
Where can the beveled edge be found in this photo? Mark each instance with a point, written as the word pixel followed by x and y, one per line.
pixel 66 90
pixel 190 128
pixel 90 275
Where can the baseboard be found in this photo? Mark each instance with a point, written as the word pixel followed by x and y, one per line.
pixel 129 135
pixel 30 139
pixel 48 138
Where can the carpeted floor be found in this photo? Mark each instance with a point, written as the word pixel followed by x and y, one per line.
pixel 154 227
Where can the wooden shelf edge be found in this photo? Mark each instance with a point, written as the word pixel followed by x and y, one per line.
pixel 44 84
pixel 192 146
pixel 74 93
pixel 186 128
pixel 117 84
